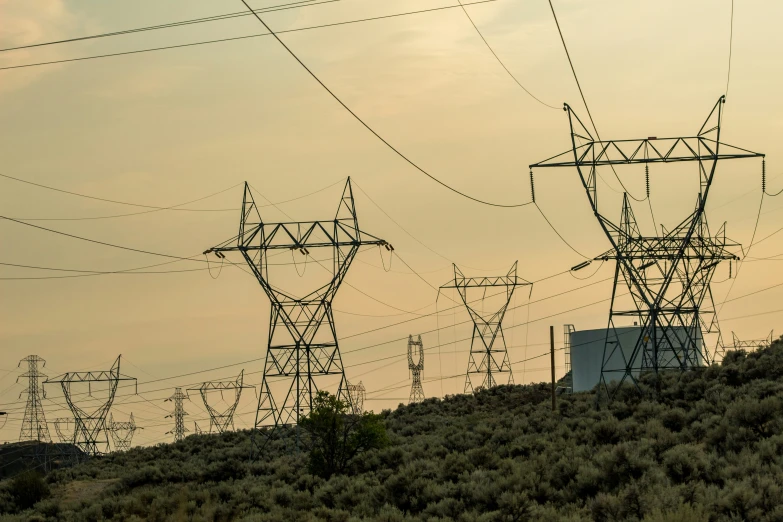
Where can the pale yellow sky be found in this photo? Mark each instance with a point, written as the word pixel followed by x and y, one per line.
pixel 166 127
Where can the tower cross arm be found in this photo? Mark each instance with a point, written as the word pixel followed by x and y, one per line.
pixel 300 235
pixel 485 282
pixel 646 150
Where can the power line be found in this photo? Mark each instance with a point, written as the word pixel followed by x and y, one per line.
pixel 366 126
pixel 501 61
pixel 581 93
pixel 731 44
pixel 226 16
pixel 230 39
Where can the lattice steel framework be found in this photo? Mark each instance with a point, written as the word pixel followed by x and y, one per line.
pixel 222 421
pixel 568 378
pixel 178 415
pixel 489 357
pixel 34 425
pixel 668 276
pixel 122 432
pixel 302 343
pixel 90 433
pixel 65 427
pixel 417 347
pixel 752 344
pixel 357 394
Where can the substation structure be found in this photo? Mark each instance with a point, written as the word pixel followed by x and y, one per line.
pixel 302 347
pixel 416 347
pixel 221 420
pixel 488 358
pixel 667 275
pixel 90 432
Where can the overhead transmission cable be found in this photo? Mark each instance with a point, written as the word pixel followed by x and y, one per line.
pixel 367 126
pixel 464 10
pixel 235 38
pixel 584 100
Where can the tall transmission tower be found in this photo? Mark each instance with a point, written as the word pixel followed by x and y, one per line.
pixel 357 394
pixel 223 420
pixel 302 344
pixel 90 433
pixel 417 392
pixel 667 275
pixel 122 432
pixel 178 415
pixel 568 378
pixel 34 425
pixel 488 354
pixel 65 427
pixel 751 344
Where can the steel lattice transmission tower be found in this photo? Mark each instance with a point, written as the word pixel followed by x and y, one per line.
pixel 34 425
pixel 668 276
pixel 417 392
pixel 752 344
pixel 90 434
pixel 122 432
pixel 222 421
pixel 65 428
pixel 488 354
pixel 302 344
pixel 178 415
pixel 356 393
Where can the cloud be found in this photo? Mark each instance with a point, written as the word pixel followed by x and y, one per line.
pixel 27 23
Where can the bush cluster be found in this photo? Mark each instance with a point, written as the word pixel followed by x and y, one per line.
pixel 709 446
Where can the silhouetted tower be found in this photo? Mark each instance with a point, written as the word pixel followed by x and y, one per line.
pixel 751 344
pixel 65 427
pixel 302 349
pixel 357 393
pixel 417 392
pixel 122 432
pixel 178 415
pixel 91 434
pixel 568 379
pixel 488 358
pixel 222 421
pixel 196 429
pixel 668 276
pixel 34 425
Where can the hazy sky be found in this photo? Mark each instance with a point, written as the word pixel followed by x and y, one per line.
pixel 163 128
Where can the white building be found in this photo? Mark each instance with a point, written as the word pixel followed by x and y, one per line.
pixel 587 354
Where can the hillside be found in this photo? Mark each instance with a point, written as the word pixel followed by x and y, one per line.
pixel 709 448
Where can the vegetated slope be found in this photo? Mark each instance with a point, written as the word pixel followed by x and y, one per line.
pixel 709 448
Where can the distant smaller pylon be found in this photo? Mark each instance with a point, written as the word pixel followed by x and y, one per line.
pixel 178 415
pixel 356 394
pixel 417 392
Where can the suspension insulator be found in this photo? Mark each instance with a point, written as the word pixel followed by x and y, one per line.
pixel 647 179
pixel 763 175
pixel 532 187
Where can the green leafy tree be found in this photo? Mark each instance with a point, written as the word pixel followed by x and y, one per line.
pixel 335 437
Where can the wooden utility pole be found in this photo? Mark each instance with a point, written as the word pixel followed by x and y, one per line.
pixel 552 355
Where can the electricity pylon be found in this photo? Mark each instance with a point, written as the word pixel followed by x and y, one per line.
pixel 302 346
pixel 122 432
pixel 34 425
pixel 90 434
pixel 417 392
pixel 66 429
pixel 568 378
pixel 752 344
pixel 667 275
pixel 196 429
pixel 489 357
pixel 356 394
pixel 222 420
pixel 178 415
